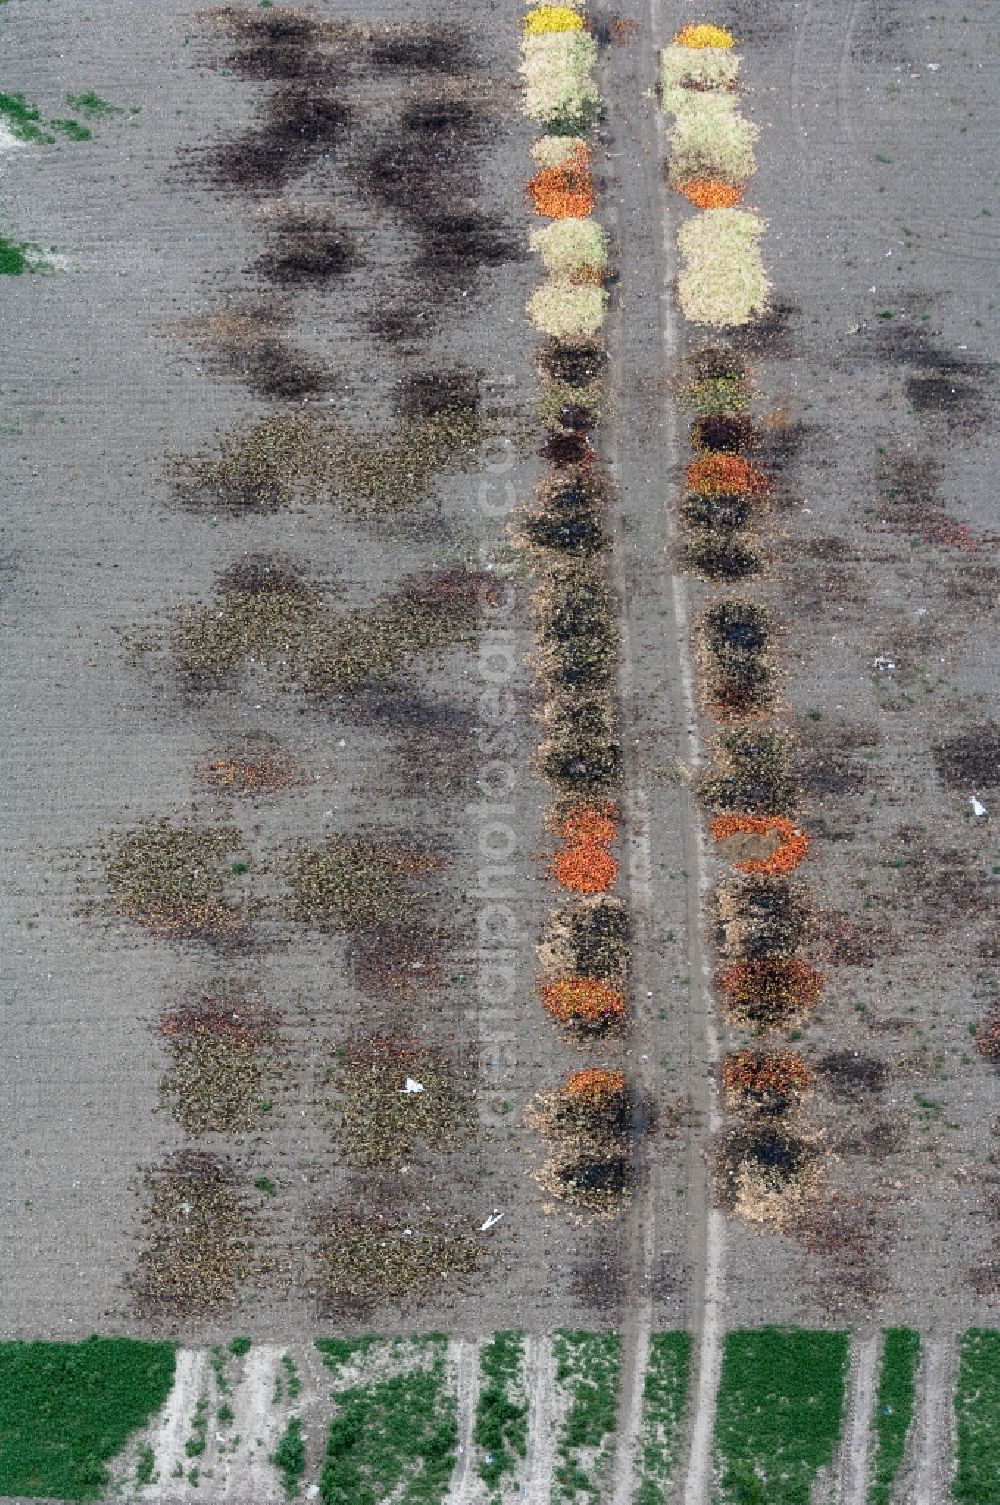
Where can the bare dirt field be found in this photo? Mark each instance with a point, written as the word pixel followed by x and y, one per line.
pixel 281 823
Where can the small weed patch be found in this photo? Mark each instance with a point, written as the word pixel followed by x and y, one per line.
pixel 664 1398
pixel 258 765
pixel 198 1242
pixel 977 1407
pixel 396 1439
pixel 780 1409
pixel 172 880
pixel 311 459
pixel 587 1371
pixel 351 883
pixel 501 1427
pixel 23 120
pixel 19 256
pixel 224 1046
pixel 384 1123
pixel 91 103
pixel 66 1409
pixel 364 1263
pixel 897 1389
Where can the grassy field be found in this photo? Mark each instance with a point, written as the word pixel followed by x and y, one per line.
pixel 977 1404
pixel 501 1430
pixel 395 1438
pixel 897 1390
pixel 66 1408
pixel 664 1398
pixel 587 1367
pixel 780 1411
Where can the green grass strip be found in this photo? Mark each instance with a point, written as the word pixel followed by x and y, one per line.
pixel 338 1353
pixel 73 129
pixel 15 257
pixel 779 1412
pixel 587 1368
pixel 23 120
pixel 897 1389
pixel 501 1429
pixel 395 1438
pixel 91 103
pixel 66 1408
pixel 977 1404
pixel 289 1457
pixel 664 1397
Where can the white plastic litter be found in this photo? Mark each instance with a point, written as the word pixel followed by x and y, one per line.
pixel 977 808
pixel 491 1221
pixel 410 1086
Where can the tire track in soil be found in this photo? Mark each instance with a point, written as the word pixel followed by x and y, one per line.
pixel 936 1422
pixel 706 1224
pixel 846 74
pixel 795 82
pixel 315 1405
pixel 640 1234
pixel 855 1450
pixel 540 1383
pixel 259 1424
pixel 646 136
pixel 464 1356
pixel 172 1431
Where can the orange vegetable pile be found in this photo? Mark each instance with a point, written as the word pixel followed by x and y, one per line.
pixel 566 191
pixel 781 1073
pixel 794 841
pixel 988 1036
pixel 709 193
pixel 591 823
pixel 594 1087
pixel 726 475
pixel 702 34
pixel 584 1001
pixel 771 989
pixel 585 864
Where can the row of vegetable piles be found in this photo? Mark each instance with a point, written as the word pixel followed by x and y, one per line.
pixel 584 953
pixel 769 1161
